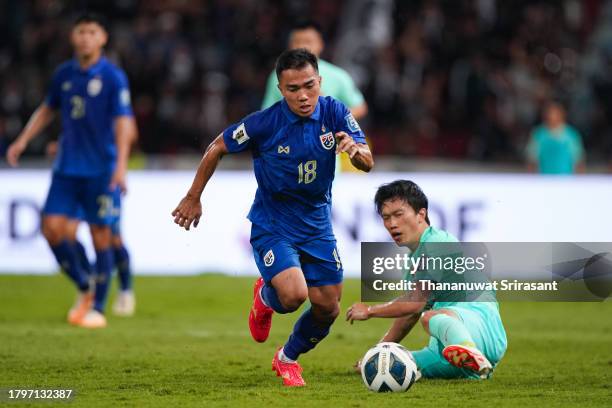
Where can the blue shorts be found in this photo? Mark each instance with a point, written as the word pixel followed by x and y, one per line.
pixel 116 222
pixel 86 198
pixel 318 259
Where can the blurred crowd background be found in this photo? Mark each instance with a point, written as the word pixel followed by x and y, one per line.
pixel 463 79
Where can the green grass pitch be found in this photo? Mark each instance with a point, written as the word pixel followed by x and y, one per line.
pixel 189 345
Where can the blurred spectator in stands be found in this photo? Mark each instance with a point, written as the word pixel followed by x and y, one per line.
pixel 555 147
pixel 479 69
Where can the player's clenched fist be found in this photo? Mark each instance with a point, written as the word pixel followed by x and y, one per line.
pixel 188 211
pixel 345 143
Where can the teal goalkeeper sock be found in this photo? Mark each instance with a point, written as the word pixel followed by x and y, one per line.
pixel 449 331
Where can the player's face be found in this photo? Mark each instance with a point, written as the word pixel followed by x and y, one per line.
pixel 403 223
pixel 308 38
pixel 301 88
pixel 554 116
pixel 88 39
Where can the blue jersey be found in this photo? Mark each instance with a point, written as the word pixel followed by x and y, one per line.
pixel 294 162
pixel 89 101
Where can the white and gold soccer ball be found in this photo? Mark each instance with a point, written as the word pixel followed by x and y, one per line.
pixel 388 367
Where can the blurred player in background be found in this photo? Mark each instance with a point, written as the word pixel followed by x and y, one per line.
pixel 467 338
pixel 555 147
pixel 125 302
pixel 336 83
pixel 293 143
pixel 93 98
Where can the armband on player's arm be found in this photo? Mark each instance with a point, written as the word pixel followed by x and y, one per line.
pixel 213 154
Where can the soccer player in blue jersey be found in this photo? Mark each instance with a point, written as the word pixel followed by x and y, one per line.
pixel 467 338
pixel 293 144
pixel 125 302
pixel 93 99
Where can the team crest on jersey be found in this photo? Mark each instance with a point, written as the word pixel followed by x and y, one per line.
pixel 240 134
pixel 269 258
pixel 66 86
pixel 94 86
pixel 327 140
pixel 351 123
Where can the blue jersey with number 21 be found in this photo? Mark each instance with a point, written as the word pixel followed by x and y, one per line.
pixel 294 162
pixel 89 101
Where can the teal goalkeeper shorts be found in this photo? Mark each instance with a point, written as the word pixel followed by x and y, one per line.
pixel 483 321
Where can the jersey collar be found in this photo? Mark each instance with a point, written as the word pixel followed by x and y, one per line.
pixel 293 118
pixel 92 69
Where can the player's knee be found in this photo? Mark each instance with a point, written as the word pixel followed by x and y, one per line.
pixel 425 318
pixel 101 236
pixel 327 312
pixel 116 241
pixel 292 300
pixel 53 232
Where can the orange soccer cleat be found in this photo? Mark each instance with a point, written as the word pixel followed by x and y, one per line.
pixel 290 372
pixel 260 317
pixel 467 357
pixel 81 307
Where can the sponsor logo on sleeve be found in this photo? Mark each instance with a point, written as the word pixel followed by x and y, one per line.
pixel 124 97
pixel 351 123
pixel 240 134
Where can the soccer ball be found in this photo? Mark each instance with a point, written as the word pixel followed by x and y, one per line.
pixel 388 367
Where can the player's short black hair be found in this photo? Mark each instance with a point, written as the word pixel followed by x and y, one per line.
pixel 307 24
pixel 295 59
pixel 405 190
pixel 90 17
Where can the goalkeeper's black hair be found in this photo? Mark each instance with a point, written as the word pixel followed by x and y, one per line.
pixel 405 190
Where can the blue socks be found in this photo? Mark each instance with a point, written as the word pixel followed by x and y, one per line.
pixel 67 256
pixel 104 268
pixel 449 331
pixel 122 261
pixel 270 298
pixel 307 333
pixel 84 260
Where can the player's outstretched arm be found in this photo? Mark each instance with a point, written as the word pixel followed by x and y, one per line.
pixel 397 308
pixel 39 120
pixel 411 303
pixel 401 327
pixel 359 153
pixel 189 209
